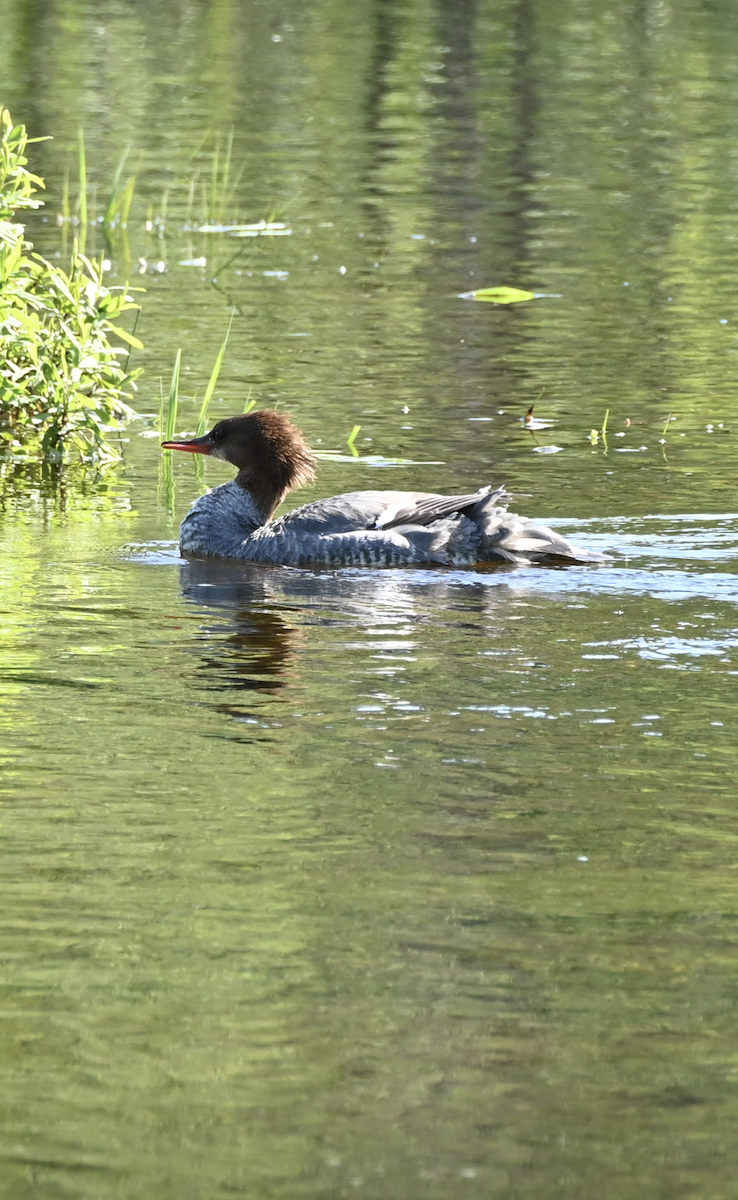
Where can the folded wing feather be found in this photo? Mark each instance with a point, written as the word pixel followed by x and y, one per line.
pixel 431 508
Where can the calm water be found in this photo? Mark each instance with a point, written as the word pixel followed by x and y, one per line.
pixel 387 884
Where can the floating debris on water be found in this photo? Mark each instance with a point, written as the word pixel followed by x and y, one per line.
pixel 532 422
pixel 498 295
pixel 259 229
pixel 376 460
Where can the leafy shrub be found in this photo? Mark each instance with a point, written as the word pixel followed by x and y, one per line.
pixel 61 383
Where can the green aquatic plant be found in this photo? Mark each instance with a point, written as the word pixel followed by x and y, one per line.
pixel 120 199
pixel 596 434
pixel 220 188
pixel 82 181
pixel 202 419
pixel 351 440
pixel 62 385
pixel 173 399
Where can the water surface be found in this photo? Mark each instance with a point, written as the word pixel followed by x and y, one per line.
pixel 395 883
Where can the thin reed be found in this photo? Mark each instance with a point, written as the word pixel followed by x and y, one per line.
pixel 121 196
pixel 351 440
pixel 173 400
pixel 202 419
pixel 82 180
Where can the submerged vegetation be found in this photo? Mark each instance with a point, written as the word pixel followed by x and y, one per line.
pixel 62 386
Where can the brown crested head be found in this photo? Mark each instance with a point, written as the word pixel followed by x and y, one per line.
pixel 269 451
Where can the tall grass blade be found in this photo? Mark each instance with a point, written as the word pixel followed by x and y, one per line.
pixel 113 206
pixel 350 440
pixel 135 344
pixel 173 399
pixel 202 419
pixel 191 198
pixel 228 160
pixel 225 195
pixel 65 197
pixel 214 181
pixel 126 200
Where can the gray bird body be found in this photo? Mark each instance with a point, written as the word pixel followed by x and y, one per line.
pixel 371 528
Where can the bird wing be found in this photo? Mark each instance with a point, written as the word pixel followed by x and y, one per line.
pixel 352 510
pixel 431 508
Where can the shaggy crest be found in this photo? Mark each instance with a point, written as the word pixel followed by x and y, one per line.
pixel 270 453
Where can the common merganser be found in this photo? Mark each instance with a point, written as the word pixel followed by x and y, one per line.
pixel 379 529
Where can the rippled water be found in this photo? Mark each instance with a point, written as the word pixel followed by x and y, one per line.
pixel 396 883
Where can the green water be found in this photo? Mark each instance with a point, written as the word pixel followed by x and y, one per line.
pixel 387 884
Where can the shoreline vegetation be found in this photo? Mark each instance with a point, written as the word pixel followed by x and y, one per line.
pixel 63 389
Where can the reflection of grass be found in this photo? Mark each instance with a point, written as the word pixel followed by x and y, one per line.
pixel 62 488
pixel 167 496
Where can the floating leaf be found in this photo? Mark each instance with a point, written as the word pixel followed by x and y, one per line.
pixel 499 295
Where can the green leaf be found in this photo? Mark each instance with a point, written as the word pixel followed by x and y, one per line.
pixel 501 295
pixel 127 337
pixel 60 380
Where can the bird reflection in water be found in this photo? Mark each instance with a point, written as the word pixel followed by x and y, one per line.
pixel 247 645
pixel 259 617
